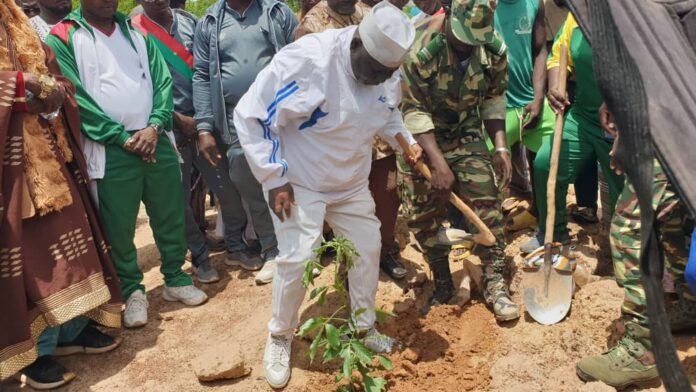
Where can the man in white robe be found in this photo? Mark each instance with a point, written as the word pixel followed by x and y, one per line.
pixel 307 125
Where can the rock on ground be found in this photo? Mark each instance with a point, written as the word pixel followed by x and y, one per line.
pixel 221 362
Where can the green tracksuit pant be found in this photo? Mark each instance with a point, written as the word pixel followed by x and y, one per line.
pixel 583 141
pixel 127 181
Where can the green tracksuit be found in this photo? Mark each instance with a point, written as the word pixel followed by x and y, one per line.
pixel 583 138
pixel 128 179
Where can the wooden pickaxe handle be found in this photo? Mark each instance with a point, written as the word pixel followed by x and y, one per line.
pixel 484 235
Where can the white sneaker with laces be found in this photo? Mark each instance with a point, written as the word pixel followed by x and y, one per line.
pixel 266 274
pixel 377 342
pixel 188 295
pixel 276 360
pixel 135 314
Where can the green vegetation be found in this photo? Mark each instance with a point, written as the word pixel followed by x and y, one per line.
pixel 336 336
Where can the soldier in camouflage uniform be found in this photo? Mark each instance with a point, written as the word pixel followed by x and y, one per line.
pixel 631 361
pixel 455 80
pixel 331 14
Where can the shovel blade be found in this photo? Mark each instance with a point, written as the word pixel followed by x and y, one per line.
pixel 551 309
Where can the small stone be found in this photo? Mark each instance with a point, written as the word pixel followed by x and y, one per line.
pixel 403 307
pixel 411 368
pixel 168 318
pixel 221 361
pixel 411 354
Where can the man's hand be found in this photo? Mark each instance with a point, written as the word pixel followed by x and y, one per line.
pixel 532 113
pixel 208 148
pixel 49 105
pixel 503 167
pixel 281 200
pixel 606 120
pixel 143 143
pixel 558 102
pixel 442 176
pixel 415 155
pixel 185 124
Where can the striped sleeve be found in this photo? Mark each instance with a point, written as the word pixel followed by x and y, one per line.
pixel 275 98
pixel 563 38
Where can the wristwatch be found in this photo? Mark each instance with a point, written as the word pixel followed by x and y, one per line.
pixel 158 128
pixel 48 86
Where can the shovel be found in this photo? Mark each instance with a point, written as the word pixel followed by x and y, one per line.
pixel 484 235
pixel 547 292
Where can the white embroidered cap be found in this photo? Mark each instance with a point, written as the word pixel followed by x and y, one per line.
pixel 387 34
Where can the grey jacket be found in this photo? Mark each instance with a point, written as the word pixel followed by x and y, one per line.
pixel 211 114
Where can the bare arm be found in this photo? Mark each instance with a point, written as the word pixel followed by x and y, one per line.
pixel 535 108
pixel 539 54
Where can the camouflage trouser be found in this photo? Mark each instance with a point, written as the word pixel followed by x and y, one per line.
pixel 425 210
pixel 625 243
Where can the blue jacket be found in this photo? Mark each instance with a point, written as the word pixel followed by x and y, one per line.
pixel 278 22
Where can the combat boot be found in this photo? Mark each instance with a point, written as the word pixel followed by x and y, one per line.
pixel 630 362
pixel 682 313
pixel 496 294
pixel 444 287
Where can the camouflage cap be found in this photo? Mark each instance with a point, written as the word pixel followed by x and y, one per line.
pixel 471 21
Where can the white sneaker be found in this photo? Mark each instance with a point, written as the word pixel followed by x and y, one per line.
pixel 135 314
pixel 188 295
pixel 266 274
pixel 377 342
pixel 276 360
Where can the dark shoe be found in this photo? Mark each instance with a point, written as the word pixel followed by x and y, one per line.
pixel 585 215
pixel 90 341
pixel 628 363
pixel 391 264
pixel 205 272
pixel 444 287
pixel 245 259
pixel 45 373
pixel 682 315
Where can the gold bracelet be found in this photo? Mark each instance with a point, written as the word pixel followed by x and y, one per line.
pixel 48 86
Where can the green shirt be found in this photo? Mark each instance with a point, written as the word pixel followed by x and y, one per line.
pixel 514 21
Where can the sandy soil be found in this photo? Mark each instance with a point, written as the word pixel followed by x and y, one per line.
pixel 459 348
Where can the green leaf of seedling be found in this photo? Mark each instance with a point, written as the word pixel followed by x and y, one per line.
pixel 363 353
pixel 374 384
pixel 308 327
pixel 348 367
pixel 359 312
pixel 317 291
pixel 383 315
pixel 332 336
pixel 314 347
pixel 385 362
pixel 308 274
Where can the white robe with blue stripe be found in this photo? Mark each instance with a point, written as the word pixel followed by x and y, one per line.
pixel 306 120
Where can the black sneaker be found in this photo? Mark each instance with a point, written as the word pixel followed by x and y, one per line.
pixel 90 341
pixel 244 258
pixel 392 266
pixel 585 215
pixel 45 373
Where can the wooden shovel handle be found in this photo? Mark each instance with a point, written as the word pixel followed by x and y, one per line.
pixel 555 151
pixel 484 235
